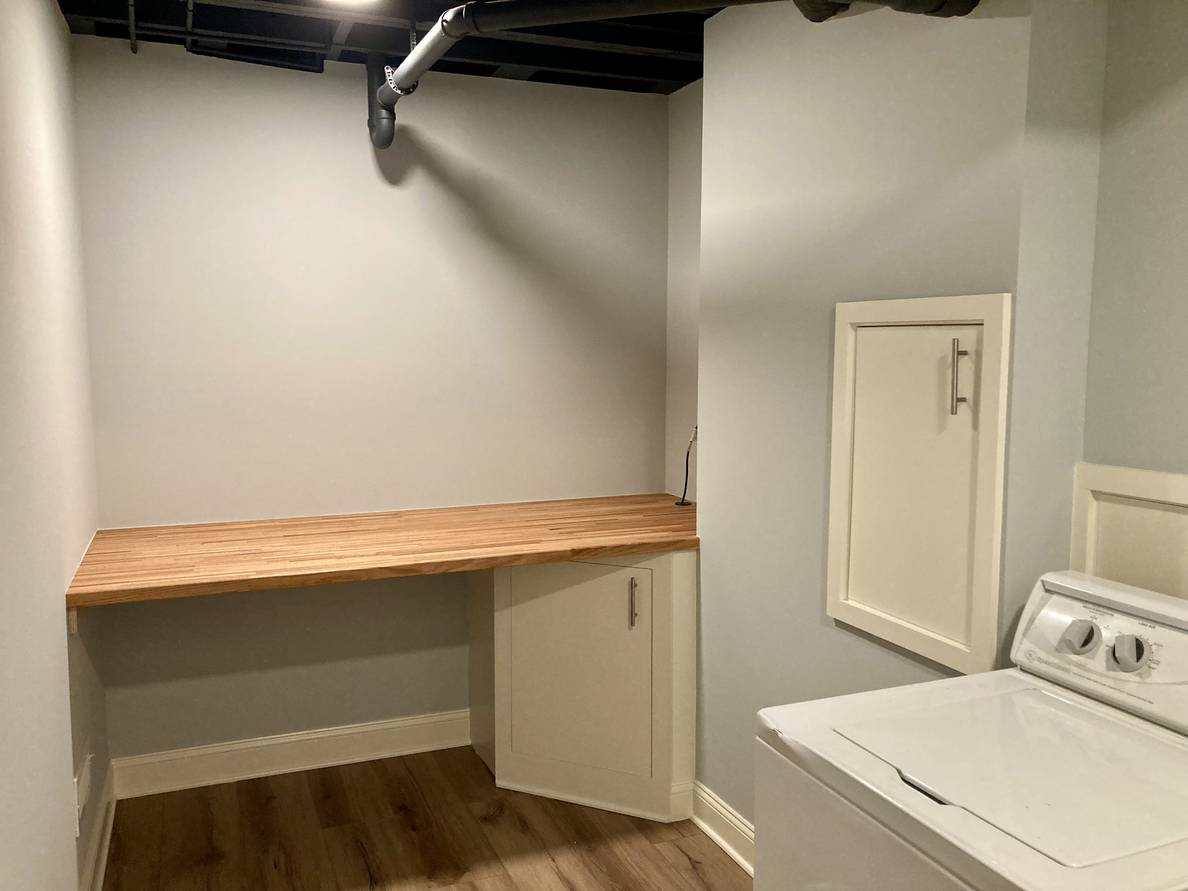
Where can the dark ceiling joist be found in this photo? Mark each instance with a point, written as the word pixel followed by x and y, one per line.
pixel 389 41
pixel 323 11
pixel 272 58
pixel 608 38
pixel 634 74
pixel 178 34
pixel 643 54
pixel 575 61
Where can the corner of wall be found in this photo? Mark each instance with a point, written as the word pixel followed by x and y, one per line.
pixel 48 512
pixel 1053 294
pixel 1138 368
pixel 88 696
pixel 684 268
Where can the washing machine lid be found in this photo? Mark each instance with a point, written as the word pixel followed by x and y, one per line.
pixel 1079 785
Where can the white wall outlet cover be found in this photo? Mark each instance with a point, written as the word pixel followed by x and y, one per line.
pixel 82 792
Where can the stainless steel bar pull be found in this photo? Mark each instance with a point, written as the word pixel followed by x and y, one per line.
pixel 632 615
pixel 954 384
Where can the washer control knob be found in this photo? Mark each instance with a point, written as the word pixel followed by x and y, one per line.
pixel 1131 652
pixel 1081 636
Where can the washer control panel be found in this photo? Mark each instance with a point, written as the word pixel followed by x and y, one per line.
pixel 1121 645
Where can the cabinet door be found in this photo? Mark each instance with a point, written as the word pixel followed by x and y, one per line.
pixel 912 503
pixel 916 474
pixel 581 665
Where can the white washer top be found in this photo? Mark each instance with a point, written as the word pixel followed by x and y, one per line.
pixel 1017 780
pixel 1032 786
pixel 1079 787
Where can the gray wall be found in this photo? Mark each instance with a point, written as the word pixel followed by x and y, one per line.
pixel 47 494
pixel 824 180
pixel 297 326
pixel 1137 411
pixel 684 279
pixel 285 323
pixel 210 669
pixel 1050 342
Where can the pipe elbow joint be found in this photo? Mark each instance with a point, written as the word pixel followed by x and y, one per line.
pixel 382 130
pixel 458 22
pixel 386 97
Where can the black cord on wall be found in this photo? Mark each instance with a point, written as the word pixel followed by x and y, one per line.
pixel 685 491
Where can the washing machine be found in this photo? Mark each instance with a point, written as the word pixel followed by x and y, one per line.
pixel 1068 772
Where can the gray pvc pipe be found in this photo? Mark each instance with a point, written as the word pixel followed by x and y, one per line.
pixel 429 49
pixel 381 120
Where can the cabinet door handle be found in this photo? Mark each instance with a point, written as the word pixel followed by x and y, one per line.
pixel 954 386
pixel 632 615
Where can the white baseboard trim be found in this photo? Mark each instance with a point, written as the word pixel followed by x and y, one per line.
pixel 725 826
pixel 156 772
pixel 94 863
pixel 270 755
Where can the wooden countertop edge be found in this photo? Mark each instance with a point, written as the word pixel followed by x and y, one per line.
pixel 101 596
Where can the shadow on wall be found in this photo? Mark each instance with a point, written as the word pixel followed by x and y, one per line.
pixel 535 239
pixel 781 260
pixel 1146 84
pixel 809 236
pixel 227 634
pixel 909 655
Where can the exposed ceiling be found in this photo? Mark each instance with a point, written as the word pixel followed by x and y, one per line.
pixel 645 54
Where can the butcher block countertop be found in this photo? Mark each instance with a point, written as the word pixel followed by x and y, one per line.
pixel 158 562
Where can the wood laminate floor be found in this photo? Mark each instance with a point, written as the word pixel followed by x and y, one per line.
pixel 434 820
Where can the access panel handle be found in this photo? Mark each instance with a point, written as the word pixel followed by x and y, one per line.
pixel 955 382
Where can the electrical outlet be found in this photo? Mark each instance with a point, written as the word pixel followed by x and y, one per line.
pixel 82 791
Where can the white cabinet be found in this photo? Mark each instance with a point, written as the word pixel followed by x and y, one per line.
pixel 916 486
pixel 580 664
pixel 590 695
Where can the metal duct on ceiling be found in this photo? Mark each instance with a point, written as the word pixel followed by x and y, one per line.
pixel 820 10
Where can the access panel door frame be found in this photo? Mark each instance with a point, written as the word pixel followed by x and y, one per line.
pixel 978 649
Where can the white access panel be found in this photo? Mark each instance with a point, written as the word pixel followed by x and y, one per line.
pixel 913 498
pixel 916 478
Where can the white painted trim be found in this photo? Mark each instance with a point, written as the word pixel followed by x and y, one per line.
pixel 614 807
pixel 94 864
pixel 680 801
pixel 138 775
pixel 1153 562
pixel 270 755
pixel 725 826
